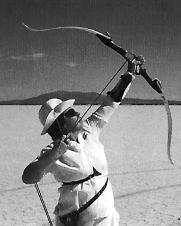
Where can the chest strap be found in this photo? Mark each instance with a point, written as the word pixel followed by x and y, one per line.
pixel 95 173
pixel 70 217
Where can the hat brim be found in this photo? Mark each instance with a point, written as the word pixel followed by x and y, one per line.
pixel 53 115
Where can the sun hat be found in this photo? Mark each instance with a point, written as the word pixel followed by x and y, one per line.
pixel 50 111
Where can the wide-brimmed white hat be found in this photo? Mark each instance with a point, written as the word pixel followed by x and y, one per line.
pixel 50 111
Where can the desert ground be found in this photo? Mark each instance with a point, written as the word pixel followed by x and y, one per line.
pixel 147 188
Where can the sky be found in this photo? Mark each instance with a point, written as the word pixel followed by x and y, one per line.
pixel 34 63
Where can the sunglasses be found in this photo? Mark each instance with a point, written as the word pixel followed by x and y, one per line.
pixel 69 113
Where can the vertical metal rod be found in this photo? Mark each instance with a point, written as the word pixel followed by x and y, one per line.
pixel 43 204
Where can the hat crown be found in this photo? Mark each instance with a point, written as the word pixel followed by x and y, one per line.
pixel 51 110
pixel 46 108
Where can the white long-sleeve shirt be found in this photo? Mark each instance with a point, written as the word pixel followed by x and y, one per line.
pixel 77 163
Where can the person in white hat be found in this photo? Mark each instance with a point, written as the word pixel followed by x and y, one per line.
pixel 76 158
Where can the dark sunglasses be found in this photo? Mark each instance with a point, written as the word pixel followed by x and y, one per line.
pixel 69 113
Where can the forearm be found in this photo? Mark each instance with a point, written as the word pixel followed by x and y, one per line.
pixel 119 91
pixel 114 97
pixel 34 172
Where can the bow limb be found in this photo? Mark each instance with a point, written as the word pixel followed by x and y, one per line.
pixel 68 27
pixel 156 85
pixel 106 39
pixel 169 119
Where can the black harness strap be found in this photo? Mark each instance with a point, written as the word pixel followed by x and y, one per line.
pixel 95 173
pixel 71 219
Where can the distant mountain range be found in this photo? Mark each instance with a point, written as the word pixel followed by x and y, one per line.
pixel 82 99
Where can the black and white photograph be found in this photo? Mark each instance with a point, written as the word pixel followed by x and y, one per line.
pixel 90 107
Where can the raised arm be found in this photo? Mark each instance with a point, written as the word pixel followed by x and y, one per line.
pixel 113 99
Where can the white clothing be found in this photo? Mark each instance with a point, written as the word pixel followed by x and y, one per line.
pixel 77 163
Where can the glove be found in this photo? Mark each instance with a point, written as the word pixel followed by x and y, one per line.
pixel 134 66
